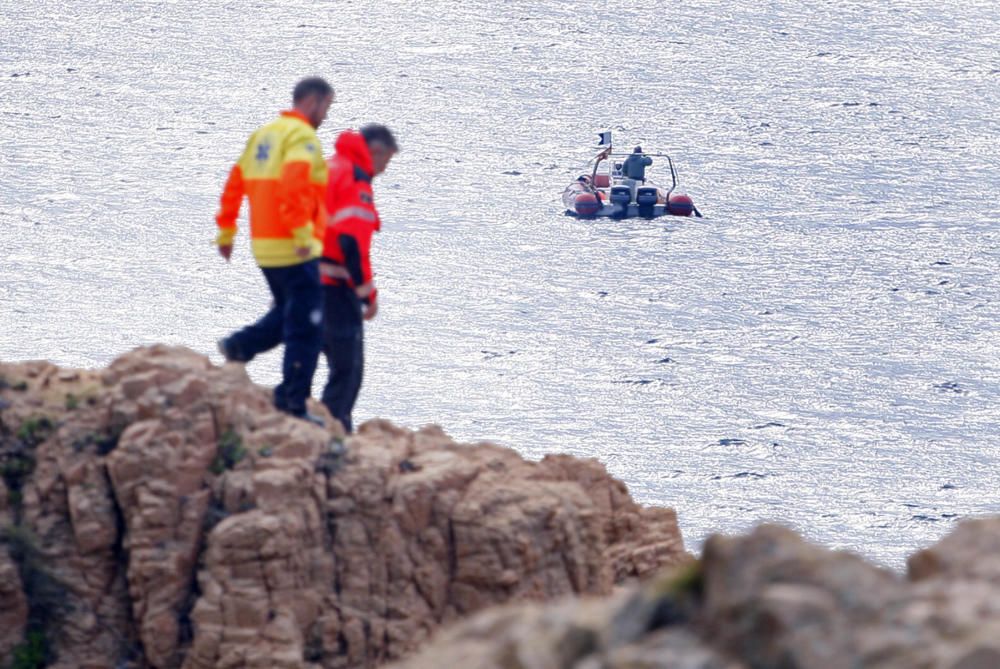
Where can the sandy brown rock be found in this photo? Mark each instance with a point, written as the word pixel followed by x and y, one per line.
pixel 767 600
pixel 771 597
pixel 181 521
pixel 971 551
pixel 49 418
pixel 622 631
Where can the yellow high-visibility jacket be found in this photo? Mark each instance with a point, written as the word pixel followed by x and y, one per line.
pixel 283 174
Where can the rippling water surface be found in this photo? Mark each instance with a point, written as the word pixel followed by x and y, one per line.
pixel 821 349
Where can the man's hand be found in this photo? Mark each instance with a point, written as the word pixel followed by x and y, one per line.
pixel 332 271
pixel 303 252
pixel 226 250
pixel 364 290
pixel 371 311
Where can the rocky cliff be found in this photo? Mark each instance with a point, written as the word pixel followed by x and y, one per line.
pixel 160 513
pixel 767 600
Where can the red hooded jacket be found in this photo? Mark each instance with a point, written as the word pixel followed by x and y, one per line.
pixel 352 216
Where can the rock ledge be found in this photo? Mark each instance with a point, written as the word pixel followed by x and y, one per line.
pixel 160 513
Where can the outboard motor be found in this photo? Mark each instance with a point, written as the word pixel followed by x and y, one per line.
pixel 620 198
pixel 646 197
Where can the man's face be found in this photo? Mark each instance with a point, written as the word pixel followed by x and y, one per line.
pixel 315 108
pixel 381 156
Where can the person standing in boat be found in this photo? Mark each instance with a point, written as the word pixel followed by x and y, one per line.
pixel 283 174
pixel 635 165
pixel 349 295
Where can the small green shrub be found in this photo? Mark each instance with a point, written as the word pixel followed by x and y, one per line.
pixel 72 402
pixel 32 653
pixel 17 460
pixel 687 579
pixel 35 430
pixel 230 452
pixel 15 469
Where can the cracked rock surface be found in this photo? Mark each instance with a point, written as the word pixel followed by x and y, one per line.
pixel 160 513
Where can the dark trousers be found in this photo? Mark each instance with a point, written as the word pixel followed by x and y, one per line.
pixel 295 319
pixel 343 346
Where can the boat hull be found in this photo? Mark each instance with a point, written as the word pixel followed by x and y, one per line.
pixel 586 204
pixel 622 211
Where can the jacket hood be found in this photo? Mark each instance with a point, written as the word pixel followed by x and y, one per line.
pixel 352 146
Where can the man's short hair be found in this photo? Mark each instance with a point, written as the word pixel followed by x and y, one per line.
pixel 374 133
pixel 311 86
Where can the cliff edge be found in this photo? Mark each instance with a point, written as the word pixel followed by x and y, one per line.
pixel 160 513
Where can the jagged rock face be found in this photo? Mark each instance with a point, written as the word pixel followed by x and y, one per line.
pixel 767 600
pixel 161 514
pixel 13 604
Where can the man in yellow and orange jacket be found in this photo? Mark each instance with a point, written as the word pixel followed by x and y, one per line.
pixel 283 174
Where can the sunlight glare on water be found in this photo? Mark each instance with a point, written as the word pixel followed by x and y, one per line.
pixel 821 349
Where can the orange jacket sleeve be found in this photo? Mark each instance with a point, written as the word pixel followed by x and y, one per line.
pixel 229 206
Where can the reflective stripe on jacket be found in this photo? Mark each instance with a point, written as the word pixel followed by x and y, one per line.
pixel 353 218
pixel 283 174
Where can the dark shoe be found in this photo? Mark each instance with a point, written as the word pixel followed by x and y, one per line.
pixel 228 352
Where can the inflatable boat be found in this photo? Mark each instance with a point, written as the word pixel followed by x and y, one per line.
pixel 616 186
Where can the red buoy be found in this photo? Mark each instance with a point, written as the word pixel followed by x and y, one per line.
pixel 586 204
pixel 680 204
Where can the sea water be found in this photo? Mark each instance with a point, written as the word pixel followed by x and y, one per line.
pixel 820 350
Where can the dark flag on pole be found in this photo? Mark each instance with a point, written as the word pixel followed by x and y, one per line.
pixel 605 138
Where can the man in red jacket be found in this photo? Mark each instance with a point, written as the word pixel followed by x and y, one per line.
pixel 349 295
